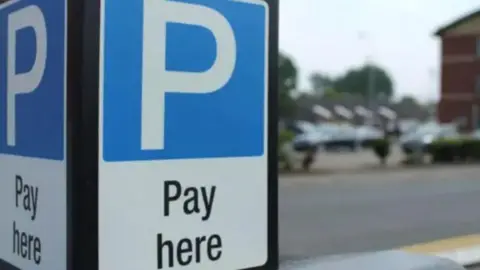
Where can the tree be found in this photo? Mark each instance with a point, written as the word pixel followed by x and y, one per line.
pixel 287 73
pixel 431 106
pixel 320 83
pixel 357 81
pixel 331 93
pixel 408 101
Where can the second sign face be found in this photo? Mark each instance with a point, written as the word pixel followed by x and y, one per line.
pixel 183 135
pixel 33 165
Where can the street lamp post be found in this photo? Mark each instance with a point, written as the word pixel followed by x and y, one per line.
pixel 371 84
pixel 371 71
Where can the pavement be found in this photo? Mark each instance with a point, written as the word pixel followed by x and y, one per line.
pixel 465 250
pixel 339 161
pixel 347 213
pixel 389 259
pixel 346 160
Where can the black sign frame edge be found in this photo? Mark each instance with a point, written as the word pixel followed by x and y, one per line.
pixel 4 265
pixel 83 54
pixel 273 248
pixel 83 20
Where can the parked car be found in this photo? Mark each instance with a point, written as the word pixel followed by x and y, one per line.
pixel 309 141
pixel 322 135
pixel 350 137
pixel 422 137
pixel 476 134
pixel 408 126
pixel 300 127
pixel 367 134
pixel 330 137
pixel 341 137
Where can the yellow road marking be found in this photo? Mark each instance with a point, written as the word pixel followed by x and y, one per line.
pixel 445 245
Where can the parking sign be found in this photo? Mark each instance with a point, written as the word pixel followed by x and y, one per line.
pixel 33 197
pixel 183 177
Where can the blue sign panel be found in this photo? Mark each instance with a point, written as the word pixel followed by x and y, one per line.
pixel 227 121
pixel 32 88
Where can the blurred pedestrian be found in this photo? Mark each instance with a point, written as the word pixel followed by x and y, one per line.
pixel 309 158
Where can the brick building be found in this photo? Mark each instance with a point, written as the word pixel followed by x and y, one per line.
pixel 460 71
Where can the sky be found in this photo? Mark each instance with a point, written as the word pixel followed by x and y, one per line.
pixel 331 36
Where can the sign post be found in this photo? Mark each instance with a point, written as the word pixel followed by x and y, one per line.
pixel 139 135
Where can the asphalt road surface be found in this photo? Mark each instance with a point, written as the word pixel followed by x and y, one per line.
pixel 335 214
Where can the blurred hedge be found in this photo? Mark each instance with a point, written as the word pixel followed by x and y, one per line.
pixel 284 137
pixel 455 150
pixel 381 148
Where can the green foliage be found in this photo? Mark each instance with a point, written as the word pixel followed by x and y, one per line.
pixel 356 82
pixel 287 73
pixel 320 83
pixel 331 93
pixel 287 107
pixel 381 148
pixel 284 137
pixel 445 150
pixel 471 149
pixel 408 101
pixel 455 150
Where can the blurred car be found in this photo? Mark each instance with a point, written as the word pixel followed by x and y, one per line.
pixel 423 136
pixel 341 137
pixel 408 126
pixel 300 127
pixel 309 141
pixel 351 138
pixel 476 134
pixel 322 135
pixel 367 134
pixel 330 137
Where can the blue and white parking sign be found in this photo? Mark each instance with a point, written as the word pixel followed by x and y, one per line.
pixel 33 171
pixel 32 84
pixel 184 79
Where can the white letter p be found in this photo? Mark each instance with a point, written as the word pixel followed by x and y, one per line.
pixel 23 83
pixel 157 80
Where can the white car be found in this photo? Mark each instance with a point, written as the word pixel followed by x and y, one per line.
pixel 420 139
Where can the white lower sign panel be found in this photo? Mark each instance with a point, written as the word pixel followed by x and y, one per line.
pixel 183 214
pixel 33 221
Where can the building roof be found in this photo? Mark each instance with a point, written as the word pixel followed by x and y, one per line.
pixel 307 103
pixel 457 22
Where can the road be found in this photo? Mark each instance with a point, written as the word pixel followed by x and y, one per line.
pixel 334 214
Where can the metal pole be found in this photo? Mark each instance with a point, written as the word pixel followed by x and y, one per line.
pixel 371 74
pixel 371 84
